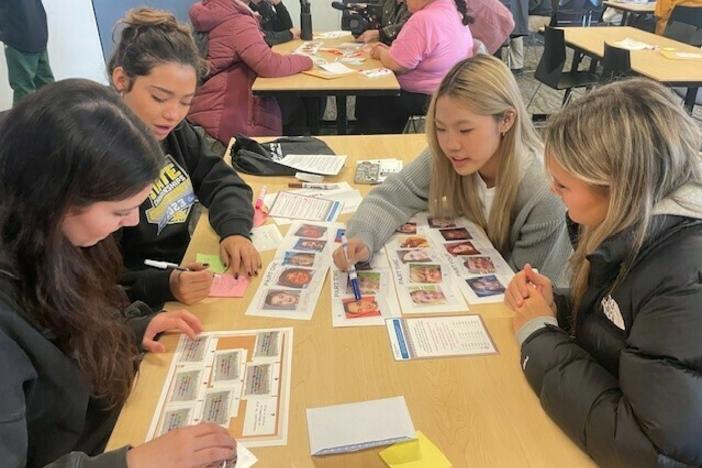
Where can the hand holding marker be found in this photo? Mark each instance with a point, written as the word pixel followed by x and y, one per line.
pixel 353 276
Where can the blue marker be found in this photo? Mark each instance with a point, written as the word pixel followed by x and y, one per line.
pixel 353 276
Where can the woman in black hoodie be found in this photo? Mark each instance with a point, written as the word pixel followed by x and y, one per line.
pixel 75 164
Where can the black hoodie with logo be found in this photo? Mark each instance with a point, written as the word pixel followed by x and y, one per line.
pixel 191 172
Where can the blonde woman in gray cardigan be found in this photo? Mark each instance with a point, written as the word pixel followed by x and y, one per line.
pixel 484 162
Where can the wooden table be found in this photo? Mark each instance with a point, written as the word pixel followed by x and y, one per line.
pixel 311 86
pixel 649 63
pixel 479 411
pixel 629 8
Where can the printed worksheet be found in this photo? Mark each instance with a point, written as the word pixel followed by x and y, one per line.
pixel 432 337
pixel 378 301
pixel 293 280
pixel 296 206
pixel 237 379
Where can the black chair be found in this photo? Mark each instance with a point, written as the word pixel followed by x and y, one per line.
pixel 616 64
pixel 685 25
pixel 550 72
pixel 576 12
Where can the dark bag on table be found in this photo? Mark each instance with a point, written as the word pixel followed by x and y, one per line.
pixel 252 157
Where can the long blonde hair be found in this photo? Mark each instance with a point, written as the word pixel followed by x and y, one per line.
pixel 486 86
pixel 632 140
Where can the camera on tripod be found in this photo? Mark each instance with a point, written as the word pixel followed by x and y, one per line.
pixel 359 17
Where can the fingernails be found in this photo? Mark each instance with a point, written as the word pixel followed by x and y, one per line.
pixel 205 265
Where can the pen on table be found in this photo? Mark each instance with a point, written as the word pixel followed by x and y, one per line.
pixel 261 196
pixel 164 265
pixel 313 186
pixel 353 276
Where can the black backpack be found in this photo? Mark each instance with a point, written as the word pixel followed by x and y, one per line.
pixel 252 157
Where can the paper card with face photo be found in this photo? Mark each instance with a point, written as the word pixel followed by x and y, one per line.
pixel 455 234
pixel 441 223
pixel 431 298
pixel 462 248
pixel 295 277
pixel 425 273
pixel 187 385
pixel 299 259
pixel 407 228
pixel 311 231
pixel 478 265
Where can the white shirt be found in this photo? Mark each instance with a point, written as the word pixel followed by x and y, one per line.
pixel 487 196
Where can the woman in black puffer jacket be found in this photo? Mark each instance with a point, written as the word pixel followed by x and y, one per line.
pixel 617 362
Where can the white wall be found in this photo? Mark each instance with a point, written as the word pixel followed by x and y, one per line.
pixel 74 45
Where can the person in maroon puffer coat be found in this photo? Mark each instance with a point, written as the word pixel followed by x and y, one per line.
pixel 224 105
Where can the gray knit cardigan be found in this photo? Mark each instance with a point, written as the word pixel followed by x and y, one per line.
pixel 538 235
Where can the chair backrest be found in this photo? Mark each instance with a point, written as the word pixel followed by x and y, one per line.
pixel 575 12
pixel 685 25
pixel 550 67
pixel 616 63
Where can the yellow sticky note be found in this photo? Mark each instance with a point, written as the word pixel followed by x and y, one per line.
pixel 420 453
pixel 214 261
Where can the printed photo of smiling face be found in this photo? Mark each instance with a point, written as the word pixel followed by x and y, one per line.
pixel 295 277
pixel 407 228
pixel 299 259
pixel 413 242
pixel 427 295
pixel 367 306
pixel 425 273
pixel 479 265
pixel 455 234
pixel 310 245
pixel 282 299
pixel 310 230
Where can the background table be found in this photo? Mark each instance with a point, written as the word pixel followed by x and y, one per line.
pixel 649 63
pixel 628 8
pixel 304 85
pixel 479 410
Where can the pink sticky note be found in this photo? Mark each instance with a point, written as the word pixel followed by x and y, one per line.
pixel 225 285
pixel 260 217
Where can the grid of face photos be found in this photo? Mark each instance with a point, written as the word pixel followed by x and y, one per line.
pixel 225 376
pixel 422 277
pixel 292 282
pixel 480 270
pixel 378 299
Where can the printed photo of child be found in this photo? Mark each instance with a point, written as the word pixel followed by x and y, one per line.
pixel 407 228
pixel 311 230
pixel 486 286
pixel 366 307
pixel 280 299
pixel 479 265
pixel 414 242
pixel 425 273
pixel 310 245
pixel 302 259
pixel 427 295
pixel 461 248
pixel 295 277
pixel 455 234
pixel 440 223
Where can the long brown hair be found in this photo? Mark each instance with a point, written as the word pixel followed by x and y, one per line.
pixel 65 147
pixel 151 37
pixel 633 141
pixel 486 86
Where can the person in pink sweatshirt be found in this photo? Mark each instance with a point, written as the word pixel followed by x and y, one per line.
pixel 237 53
pixel 433 40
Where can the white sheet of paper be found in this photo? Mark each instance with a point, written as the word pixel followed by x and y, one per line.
pixel 325 164
pixel 357 426
pixel 347 195
pixel 632 44
pixel 266 237
pixel 332 34
pixel 244 457
pixel 336 68
pixel 295 206
pixel 438 336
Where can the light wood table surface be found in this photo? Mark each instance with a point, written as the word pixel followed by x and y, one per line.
pixel 628 8
pixel 479 410
pixel 303 85
pixel 649 63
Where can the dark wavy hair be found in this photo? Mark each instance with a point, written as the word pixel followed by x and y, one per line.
pixel 151 37
pixel 71 144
